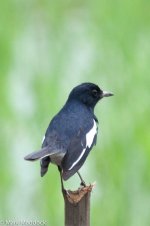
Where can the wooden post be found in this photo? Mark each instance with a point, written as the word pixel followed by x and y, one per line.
pixel 77 206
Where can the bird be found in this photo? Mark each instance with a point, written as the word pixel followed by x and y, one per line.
pixel 72 133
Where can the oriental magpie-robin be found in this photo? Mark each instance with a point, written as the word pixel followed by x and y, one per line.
pixel 72 133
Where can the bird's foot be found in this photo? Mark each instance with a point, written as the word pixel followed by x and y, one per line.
pixel 66 194
pixel 83 183
pixel 64 191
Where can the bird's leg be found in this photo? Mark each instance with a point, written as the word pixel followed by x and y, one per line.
pixel 82 181
pixel 62 185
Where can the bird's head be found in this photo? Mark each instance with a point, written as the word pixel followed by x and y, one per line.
pixel 88 93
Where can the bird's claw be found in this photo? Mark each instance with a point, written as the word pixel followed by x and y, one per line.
pixel 83 184
pixel 64 191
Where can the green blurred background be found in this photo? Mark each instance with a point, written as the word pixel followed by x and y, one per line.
pixel 48 47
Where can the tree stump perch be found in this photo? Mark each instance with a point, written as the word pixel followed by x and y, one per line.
pixel 77 206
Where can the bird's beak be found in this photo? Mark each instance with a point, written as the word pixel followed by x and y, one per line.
pixel 107 94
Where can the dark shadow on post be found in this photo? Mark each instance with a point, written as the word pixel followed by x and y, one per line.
pixel 77 206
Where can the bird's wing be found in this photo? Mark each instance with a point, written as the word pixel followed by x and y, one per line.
pixel 78 151
pixel 44 152
pixel 51 146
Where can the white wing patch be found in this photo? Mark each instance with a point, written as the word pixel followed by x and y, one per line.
pixel 82 153
pixel 89 140
pixel 90 135
pixel 43 139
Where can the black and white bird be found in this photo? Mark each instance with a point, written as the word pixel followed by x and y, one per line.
pixel 72 133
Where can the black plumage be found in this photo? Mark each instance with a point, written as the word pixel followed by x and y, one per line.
pixel 72 132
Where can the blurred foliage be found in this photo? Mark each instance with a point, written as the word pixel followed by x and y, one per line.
pixel 48 47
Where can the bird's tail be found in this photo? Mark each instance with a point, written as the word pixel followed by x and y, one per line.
pixel 38 154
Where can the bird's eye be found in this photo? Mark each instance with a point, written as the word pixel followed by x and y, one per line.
pixel 94 93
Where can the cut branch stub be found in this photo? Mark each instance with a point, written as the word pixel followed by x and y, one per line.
pixel 77 206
